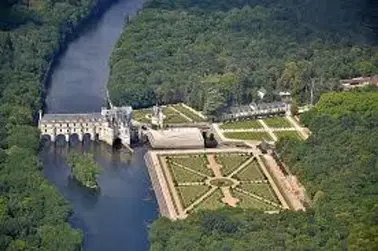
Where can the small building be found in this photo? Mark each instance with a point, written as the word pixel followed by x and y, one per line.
pixel 285 96
pixel 348 84
pixel 176 138
pixel 261 92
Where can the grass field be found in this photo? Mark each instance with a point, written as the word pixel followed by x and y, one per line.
pixel 140 115
pixel 262 190
pixel 188 113
pixel 172 117
pixel 244 124
pixel 277 122
pixel 230 162
pixel 287 134
pixel 189 194
pixel 248 135
pixel 194 162
pixel 212 202
pixel 250 172
pixel 248 202
pixel 181 175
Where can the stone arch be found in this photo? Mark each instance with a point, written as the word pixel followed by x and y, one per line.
pixel 76 136
pixel 46 137
pixel 89 135
pixel 61 138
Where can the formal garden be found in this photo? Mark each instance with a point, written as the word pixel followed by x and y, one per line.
pixel 242 124
pixel 188 113
pixel 173 114
pixel 277 122
pixel 287 134
pixel 258 136
pixel 268 129
pixel 210 180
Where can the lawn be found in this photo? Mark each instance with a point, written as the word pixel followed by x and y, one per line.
pixel 180 175
pixel 172 117
pixel 230 162
pixel 194 162
pixel 287 134
pixel 212 202
pixel 189 194
pixel 277 122
pixel 140 115
pixel 263 190
pixel 188 113
pixel 248 135
pixel 250 172
pixel 247 202
pixel 243 124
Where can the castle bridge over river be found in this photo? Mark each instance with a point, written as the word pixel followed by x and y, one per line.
pixel 107 125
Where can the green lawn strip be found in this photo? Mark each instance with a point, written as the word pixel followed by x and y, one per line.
pixel 248 135
pixel 263 190
pixel 188 113
pixel 194 162
pixel 212 202
pixel 277 122
pixel 250 172
pixel 287 134
pixel 181 175
pixel 140 115
pixel 248 202
pixel 243 124
pixel 189 194
pixel 230 162
pixel 173 117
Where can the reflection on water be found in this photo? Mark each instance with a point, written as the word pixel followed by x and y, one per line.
pixel 117 215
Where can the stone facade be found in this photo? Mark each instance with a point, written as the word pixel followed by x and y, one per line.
pixel 106 126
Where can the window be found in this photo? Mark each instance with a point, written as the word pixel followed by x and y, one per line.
pixel 60 130
pixel 45 130
pixel 68 130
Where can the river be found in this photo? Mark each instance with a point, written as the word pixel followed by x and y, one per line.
pixel 117 218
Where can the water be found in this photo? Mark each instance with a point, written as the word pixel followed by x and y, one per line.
pixel 117 218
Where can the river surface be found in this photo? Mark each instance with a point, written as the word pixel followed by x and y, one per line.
pixel 117 217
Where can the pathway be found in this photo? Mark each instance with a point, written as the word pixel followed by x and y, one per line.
pixel 268 130
pixel 171 210
pixel 172 189
pixel 272 183
pixel 301 130
pixel 282 129
pixel 181 114
pixel 284 183
pixel 228 198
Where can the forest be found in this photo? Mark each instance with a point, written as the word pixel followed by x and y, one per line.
pixel 201 51
pixel 338 165
pixel 33 215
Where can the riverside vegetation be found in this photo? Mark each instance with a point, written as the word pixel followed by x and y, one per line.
pixel 84 169
pixel 33 216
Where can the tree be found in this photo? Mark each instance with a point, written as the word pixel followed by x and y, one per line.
pixel 214 102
